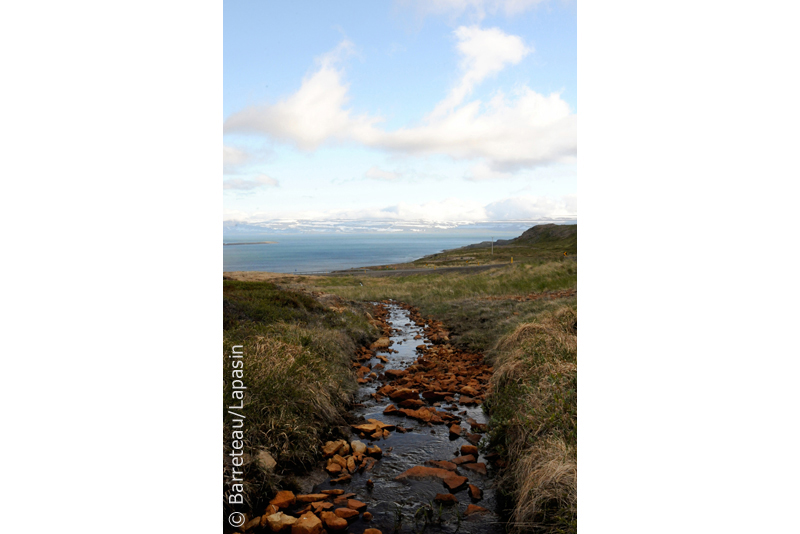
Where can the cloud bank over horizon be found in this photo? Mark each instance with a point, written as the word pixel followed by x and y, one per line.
pixel 527 207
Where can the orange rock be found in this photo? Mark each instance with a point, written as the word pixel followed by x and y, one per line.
pixel 307 524
pixel 464 459
pixel 333 468
pixel 367 516
pixel 454 482
pixel 475 509
pixel 346 513
pixel 320 506
pixel 358 506
pixel 333 491
pixel 372 531
pixel 333 521
pixel 456 430
pixel 475 492
pixel 423 472
pixel 450 466
pixel 467 390
pixel 283 499
pixel 404 393
pixel 445 498
pixel 469 449
pixel 477 467
pixel 474 438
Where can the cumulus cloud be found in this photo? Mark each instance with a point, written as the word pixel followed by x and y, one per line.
pixel 314 114
pixel 523 129
pixel 242 184
pixel 484 52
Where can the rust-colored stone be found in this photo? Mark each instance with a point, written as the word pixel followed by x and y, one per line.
pixel 450 466
pixel 469 458
pixel 475 509
pixel 358 506
pixel 477 467
pixel 283 499
pixel 333 521
pixel 454 482
pixel 475 492
pixel 469 449
pixel 445 498
pixel 423 472
pixel 346 513
pixel 308 523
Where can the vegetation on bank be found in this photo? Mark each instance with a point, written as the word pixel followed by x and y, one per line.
pixel 297 352
pixel 533 423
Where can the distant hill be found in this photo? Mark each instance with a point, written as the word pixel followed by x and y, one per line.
pixel 539 234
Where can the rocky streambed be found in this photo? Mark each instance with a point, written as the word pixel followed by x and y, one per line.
pixel 412 462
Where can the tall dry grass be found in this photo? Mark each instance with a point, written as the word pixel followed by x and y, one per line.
pixel 297 359
pixel 534 421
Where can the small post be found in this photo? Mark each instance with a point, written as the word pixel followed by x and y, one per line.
pixel 492 245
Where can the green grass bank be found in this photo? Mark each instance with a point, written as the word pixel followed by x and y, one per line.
pixel 297 351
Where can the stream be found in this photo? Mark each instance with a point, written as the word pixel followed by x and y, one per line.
pixel 407 505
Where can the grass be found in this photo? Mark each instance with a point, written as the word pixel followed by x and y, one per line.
pixel 533 421
pixel 297 369
pixel 463 301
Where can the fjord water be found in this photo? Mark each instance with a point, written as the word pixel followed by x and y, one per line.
pixel 324 252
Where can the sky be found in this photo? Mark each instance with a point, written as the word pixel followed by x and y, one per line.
pixel 432 110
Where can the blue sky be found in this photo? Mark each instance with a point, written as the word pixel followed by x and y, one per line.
pixel 441 110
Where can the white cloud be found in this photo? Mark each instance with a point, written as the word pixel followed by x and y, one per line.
pixel 476 8
pixel 242 184
pixel 484 52
pixel 232 158
pixel 376 173
pixel 531 207
pixel 314 114
pixel 447 210
pixel 522 130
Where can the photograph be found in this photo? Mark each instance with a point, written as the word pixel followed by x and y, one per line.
pixel 400 251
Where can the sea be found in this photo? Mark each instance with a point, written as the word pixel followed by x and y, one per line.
pixel 309 253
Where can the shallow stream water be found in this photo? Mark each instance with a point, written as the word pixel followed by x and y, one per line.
pixel 399 505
